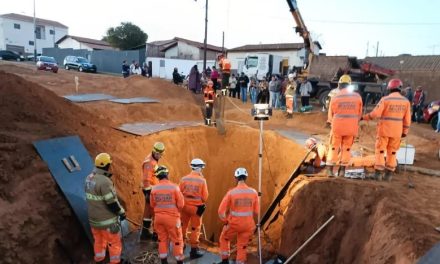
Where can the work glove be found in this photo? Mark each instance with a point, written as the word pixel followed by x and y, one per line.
pixel 403 135
pixel 201 209
pixel 122 217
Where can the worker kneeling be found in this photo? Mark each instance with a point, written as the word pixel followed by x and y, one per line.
pixel 394 113
pixel 237 211
pixel 104 210
pixel 166 201
pixel 344 114
pixel 195 192
pixel 318 155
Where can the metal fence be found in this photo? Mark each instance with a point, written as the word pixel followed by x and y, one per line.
pixel 105 60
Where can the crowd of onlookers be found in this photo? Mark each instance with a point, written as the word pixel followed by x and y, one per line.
pixel 135 69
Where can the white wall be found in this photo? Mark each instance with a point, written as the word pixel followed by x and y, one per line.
pixel 184 66
pixel 172 52
pixel 293 56
pixel 70 43
pixel 22 36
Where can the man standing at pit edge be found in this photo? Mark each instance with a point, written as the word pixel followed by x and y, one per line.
pixel 242 204
pixel 148 181
pixel 195 193
pixel 167 201
pixel 344 114
pixel 104 210
pixel 394 113
pixel 225 66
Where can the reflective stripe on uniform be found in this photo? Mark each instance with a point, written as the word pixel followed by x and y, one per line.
pixel 93 197
pixel 346 116
pixel 166 206
pixel 100 254
pixel 391 118
pixel 104 222
pixel 405 126
pixel 346 95
pixel 193 180
pixel 222 216
pixel 242 214
pixel 395 99
pixel 193 198
pixel 224 253
pixel 241 191
pixel 115 257
pixel 163 255
pixel 164 187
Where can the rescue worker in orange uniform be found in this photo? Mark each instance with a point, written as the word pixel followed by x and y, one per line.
pixel 237 211
pixel 104 211
pixel 167 202
pixel 290 95
pixel 319 154
pixel 208 96
pixel 225 66
pixel 344 113
pixel 148 181
pixel 394 112
pixel 195 192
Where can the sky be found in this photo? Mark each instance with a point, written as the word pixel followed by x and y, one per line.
pixel 343 27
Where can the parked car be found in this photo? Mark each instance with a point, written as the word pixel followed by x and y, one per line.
pixel 79 63
pixel 430 113
pixel 10 55
pixel 46 63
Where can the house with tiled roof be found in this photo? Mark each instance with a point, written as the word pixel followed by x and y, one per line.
pixel 74 42
pixel 181 48
pixel 17 33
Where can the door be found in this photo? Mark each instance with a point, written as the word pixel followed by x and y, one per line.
pixel 162 69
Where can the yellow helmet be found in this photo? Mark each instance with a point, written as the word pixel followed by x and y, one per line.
pixel 102 160
pixel 158 147
pixel 161 171
pixel 345 79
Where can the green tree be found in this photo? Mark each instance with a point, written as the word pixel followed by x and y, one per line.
pixel 125 36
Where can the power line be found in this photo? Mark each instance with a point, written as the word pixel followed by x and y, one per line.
pixel 376 23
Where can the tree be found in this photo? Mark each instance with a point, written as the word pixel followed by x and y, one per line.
pixel 125 36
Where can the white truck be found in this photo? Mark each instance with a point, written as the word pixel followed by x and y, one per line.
pixel 262 65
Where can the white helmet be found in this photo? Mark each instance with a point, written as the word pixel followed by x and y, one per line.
pixel 240 172
pixel 291 76
pixel 197 164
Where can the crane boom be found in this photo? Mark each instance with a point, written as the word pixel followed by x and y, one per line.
pixel 304 33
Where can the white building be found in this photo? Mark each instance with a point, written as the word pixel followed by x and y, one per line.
pixel 292 54
pixel 17 33
pixel 180 48
pixel 74 42
pixel 164 67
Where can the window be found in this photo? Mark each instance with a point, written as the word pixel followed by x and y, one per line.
pixel 16 26
pixel 31 43
pixel 162 63
pixel 252 62
pixel 40 32
pixel 52 32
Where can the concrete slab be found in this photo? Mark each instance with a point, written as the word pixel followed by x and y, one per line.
pixel 134 100
pixel 296 136
pixel 432 257
pixel 82 98
pixel 146 128
pixel 69 163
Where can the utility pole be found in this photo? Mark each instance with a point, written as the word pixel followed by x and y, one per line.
pixel 35 36
pixel 377 49
pixel 368 46
pixel 223 43
pixel 205 44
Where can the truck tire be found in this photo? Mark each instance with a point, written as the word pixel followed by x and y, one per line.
pixel 323 98
pixel 434 121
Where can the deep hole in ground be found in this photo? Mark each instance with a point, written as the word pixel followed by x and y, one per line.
pixel 370 217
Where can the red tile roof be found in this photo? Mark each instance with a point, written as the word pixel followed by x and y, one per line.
pixel 408 63
pixel 93 43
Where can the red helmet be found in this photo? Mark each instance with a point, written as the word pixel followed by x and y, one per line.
pixel 311 143
pixel 394 84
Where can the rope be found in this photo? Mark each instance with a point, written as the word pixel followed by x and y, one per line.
pixel 147 257
pixel 236 106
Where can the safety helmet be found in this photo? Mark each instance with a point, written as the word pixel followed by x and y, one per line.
pixel 394 84
pixel 345 79
pixel 197 164
pixel 161 171
pixel 311 143
pixel 158 147
pixel 102 160
pixel 240 172
pixel 291 76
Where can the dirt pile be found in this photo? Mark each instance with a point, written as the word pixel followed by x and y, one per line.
pixel 374 223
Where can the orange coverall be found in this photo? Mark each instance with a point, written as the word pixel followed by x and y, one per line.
pixel 320 155
pixel 148 181
pixel 225 65
pixel 344 114
pixel 395 118
pixel 195 193
pixel 237 211
pixel 167 200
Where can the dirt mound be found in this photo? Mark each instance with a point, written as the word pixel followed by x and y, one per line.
pixel 373 223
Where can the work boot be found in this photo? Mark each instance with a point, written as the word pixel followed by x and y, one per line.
pixel 100 262
pixel 330 172
pixel 388 175
pixel 224 261
pixel 341 172
pixel 164 261
pixel 179 262
pixel 378 175
pixel 195 253
pixel 146 234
